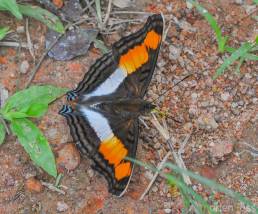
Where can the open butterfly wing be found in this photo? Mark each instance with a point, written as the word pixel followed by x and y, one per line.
pixel 124 72
pixel 128 68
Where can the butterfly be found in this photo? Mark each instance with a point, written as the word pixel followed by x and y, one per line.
pixel 109 100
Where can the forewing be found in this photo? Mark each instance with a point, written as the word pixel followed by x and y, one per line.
pixel 128 69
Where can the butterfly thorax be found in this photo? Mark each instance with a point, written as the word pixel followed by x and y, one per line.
pixel 125 107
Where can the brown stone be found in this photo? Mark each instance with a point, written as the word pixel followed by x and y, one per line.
pixel 33 185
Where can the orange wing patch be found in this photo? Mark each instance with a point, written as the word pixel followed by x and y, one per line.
pixel 114 152
pixel 152 40
pixel 138 55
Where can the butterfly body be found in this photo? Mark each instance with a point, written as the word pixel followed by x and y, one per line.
pixel 104 122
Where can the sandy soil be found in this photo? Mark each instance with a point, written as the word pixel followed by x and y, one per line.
pixel 221 116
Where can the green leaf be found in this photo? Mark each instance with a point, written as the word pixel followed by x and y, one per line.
pixel 23 100
pixel 42 15
pixel 35 144
pixel 2 133
pixel 3 32
pixel 11 6
pixel 240 52
pixel 37 110
pixel 247 56
pixel 255 1
pixel 214 25
pixel 14 115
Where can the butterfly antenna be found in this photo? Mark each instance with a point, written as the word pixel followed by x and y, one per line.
pixel 186 77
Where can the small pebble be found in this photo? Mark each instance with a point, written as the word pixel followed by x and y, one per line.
pixel 239 1
pixel 225 96
pixel 157 146
pixel 207 122
pixel 61 206
pixel 20 29
pixel 154 189
pixel 3 95
pixel 90 173
pixel 194 96
pixel 33 185
pixel 24 67
pixel 174 52
pixel 168 211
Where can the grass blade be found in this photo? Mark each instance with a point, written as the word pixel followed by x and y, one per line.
pixel 42 15
pixel 98 9
pixel 2 133
pixel 213 185
pixel 247 56
pixel 3 32
pixel 234 56
pixel 213 23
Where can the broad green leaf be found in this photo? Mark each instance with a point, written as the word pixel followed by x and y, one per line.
pixel 37 110
pixel 14 115
pixel 35 144
pixel 11 6
pixel 240 52
pixel 255 1
pixel 2 133
pixel 213 23
pixel 23 100
pixel 3 32
pixel 42 15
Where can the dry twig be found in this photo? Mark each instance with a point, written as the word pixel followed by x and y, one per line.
pixel 14 44
pixel 52 187
pixel 160 166
pixel 29 40
pixel 108 13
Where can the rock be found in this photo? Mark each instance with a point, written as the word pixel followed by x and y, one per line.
pixel 61 206
pixel 174 52
pixel 193 110
pixel 157 146
pixel 167 205
pixel 250 8
pixel 208 172
pixel 194 96
pixel 33 185
pixel 148 174
pixel 188 127
pixel 68 158
pixel 239 2
pixel 234 104
pixel 225 96
pixel 3 95
pixel 219 150
pixel 123 3
pixel 168 211
pixel 154 189
pixel 9 180
pixel 207 122
pixel 90 173
pixel 24 67
pixel 20 29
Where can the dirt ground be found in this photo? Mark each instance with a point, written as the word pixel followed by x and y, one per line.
pixel 221 115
